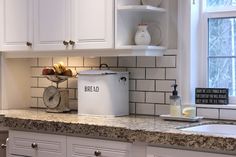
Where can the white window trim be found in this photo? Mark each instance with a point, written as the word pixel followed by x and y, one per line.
pixel 191 45
pixel 214 13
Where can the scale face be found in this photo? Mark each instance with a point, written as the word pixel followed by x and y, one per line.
pixel 51 97
pixel 56 100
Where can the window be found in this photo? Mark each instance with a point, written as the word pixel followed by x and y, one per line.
pixel 220 25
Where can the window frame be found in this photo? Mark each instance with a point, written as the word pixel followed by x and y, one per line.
pixel 226 12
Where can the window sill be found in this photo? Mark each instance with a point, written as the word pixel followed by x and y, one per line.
pixel 228 106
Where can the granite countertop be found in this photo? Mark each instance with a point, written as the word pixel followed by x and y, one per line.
pixel 151 130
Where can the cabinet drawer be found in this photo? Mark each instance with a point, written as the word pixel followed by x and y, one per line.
pixel 20 143
pixel 47 145
pixel 83 147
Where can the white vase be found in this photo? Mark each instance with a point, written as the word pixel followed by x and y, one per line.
pixel 142 36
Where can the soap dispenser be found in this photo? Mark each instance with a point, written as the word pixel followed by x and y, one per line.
pixel 175 103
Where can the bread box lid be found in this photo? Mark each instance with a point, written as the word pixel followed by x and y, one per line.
pixel 98 72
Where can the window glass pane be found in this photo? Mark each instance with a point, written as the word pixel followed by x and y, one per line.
pixel 222 73
pixel 219 3
pixel 222 36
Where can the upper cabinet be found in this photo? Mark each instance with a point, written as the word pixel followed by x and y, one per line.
pixel 51 24
pixel 109 26
pixel 17 30
pixel 92 24
pixel 73 24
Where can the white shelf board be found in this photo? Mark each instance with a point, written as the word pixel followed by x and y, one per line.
pixel 129 50
pixel 140 50
pixel 141 8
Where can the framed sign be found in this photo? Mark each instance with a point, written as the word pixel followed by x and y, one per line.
pixel 212 96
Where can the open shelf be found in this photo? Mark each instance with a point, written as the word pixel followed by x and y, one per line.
pixel 140 8
pixel 141 47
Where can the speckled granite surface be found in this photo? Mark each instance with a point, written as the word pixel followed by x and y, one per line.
pixel 151 130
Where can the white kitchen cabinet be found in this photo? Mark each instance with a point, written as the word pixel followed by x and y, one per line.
pixel 51 24
pixel 17 25
pixel 36 144
pixel 84 147
pixel 73 24
pixel 92 24
pixel 167 152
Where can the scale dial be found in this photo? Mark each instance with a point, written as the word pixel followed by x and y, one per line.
pixel 51 97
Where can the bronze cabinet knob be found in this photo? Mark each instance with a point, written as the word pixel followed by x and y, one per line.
pixel 66 43
pixel 97 153
pixel 28 44
pixel 72 42
pixel 34 145
pixel 3 146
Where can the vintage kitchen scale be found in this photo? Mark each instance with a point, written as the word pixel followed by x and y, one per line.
pixel 55 99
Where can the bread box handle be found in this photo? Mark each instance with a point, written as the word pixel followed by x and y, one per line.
pixel 102 66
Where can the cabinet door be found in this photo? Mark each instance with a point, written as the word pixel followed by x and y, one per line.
pixel 93 24
pixel 17 25
pixel 51 24
pixel 165 152
pixel 83 147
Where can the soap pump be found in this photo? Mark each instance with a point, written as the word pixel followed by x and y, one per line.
pixel 175 103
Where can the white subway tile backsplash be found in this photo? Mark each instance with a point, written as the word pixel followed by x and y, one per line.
pixel 44 82
pixel 228 114
pixel 137 73
pixel 110 61
pixel 146 61
pixel 73 104
pixel 61 85
pixel 166 61
pixel 72 83
pixel 146 85
pixel 71 93
pixel 149 85
pixel 155 73
pixel 45 62
pixel 60 59
pixel 75 61
pixel 164 85
pixel 137 96
pixel 37 92
pixel 132 84
pixel 127 62
pixel 41 103
pixel 34 82
pixel 92 61
pixel 208 113
pixel 171 73
pixel 34 102
pixel 155 97
pixel 167 98
pixel 132 108
pixel 162 109
pixel 145 109
pixel 36 72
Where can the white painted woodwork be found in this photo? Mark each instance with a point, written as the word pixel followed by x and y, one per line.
pixel 48 145
pixel 129 14
pixel 84 147
pixel 17 24
pixel 51 24
pixel 167 152
pixel 93 24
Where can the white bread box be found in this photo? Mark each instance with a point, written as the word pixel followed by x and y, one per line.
pixel 103 92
